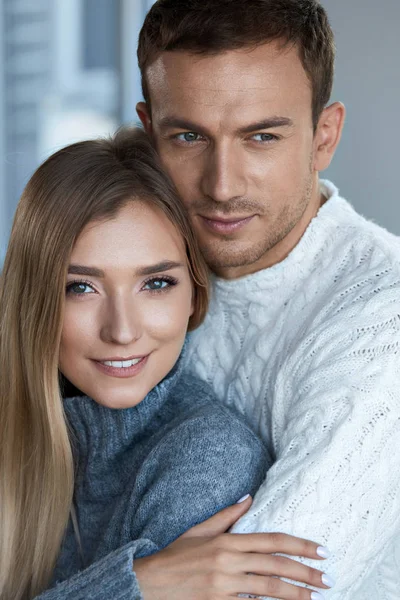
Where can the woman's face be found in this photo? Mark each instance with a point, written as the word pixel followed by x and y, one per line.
pixel 128 303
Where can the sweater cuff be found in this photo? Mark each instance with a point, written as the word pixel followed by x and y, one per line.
pixel 111 577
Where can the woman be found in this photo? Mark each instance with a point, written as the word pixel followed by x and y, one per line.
pixel 101 281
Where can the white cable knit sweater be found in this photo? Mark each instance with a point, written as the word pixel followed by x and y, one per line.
pixel 308 350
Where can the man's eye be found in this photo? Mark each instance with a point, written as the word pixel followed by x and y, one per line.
pixel 188 136
pixel 79 288
pixel 263 137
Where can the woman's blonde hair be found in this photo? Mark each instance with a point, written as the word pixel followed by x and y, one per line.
pixel 84 182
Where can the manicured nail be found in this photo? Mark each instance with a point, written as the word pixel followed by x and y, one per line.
pixel 317 596
pixel 328 580
pixel 243 499
pixel 323 552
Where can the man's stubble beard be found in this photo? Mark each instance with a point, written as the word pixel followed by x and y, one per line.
pixel 225 254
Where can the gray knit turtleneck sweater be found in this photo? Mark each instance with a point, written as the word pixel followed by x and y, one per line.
pixel 144 475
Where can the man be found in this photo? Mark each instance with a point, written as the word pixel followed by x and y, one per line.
pixel 303 331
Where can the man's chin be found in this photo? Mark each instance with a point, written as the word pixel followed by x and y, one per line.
pixel 227 256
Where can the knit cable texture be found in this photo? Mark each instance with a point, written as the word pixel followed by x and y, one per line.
pixel 308 350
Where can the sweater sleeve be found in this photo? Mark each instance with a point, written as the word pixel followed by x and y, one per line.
pixel 336 438
pixel 111 577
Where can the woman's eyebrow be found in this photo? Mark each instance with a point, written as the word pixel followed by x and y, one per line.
pixel 165 265
pixel 82 270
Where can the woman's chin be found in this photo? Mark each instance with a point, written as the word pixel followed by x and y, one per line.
pixel 118 400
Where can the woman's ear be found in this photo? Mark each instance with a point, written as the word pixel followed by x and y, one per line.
pixel 328 134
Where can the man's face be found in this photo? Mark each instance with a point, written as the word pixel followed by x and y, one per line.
pixel 235 133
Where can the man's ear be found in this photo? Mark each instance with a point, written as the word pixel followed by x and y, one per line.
pixel 328 134
pixel 144 115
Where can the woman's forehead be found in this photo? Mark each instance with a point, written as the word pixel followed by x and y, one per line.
pixel 138 235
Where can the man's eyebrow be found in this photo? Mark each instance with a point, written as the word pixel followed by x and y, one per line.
pixel 269 123
pixel 165 265
pixel 177 123
pixel 88 271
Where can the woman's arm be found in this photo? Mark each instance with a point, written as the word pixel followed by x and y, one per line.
pixel 203 564
pixel 111 578
pixel 200 467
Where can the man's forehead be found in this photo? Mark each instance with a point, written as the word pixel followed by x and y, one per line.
pixel 238 74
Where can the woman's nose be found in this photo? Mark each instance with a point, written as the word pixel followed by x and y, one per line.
pixel 122 324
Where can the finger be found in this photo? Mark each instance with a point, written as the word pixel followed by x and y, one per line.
pixel 272 543
pixel 273 588
pixel 220 522
pixel 279 566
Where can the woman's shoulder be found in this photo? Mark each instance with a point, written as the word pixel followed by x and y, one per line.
pixel 199 413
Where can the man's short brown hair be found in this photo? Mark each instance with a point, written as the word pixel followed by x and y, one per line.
pixel 214 26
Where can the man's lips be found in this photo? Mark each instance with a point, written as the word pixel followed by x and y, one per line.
pixel 220 225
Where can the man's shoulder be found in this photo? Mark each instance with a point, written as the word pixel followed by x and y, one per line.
pixel 350 303
pixel 367 261
pixel 358 285
pixel 342 229
pixel 358 259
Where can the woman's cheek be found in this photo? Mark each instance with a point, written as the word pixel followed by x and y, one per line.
pixel 171 319
pixel 80 327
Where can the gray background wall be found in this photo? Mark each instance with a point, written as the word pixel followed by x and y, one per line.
pixel 366 165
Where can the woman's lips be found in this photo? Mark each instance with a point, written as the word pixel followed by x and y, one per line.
pixel 121 372
pixel 226 226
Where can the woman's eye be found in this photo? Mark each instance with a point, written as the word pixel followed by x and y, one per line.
pixel 188 136
pixel 155 285
pixel 79 288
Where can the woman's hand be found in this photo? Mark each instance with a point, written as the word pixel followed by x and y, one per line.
pixel 206 563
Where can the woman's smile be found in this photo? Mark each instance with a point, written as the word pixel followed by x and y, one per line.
pixel 121 368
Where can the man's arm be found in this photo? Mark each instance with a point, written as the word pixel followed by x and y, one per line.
pixel 337 445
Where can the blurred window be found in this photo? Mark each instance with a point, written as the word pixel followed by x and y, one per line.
pixel 68 71
pixel 100 34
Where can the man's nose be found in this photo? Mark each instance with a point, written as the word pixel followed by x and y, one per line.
pixel 121 323
pixel 223 176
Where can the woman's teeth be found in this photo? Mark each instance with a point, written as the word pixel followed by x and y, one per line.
pixel 121 364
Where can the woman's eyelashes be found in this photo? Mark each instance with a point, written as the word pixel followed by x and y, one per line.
pixel 152 284
pixel 159 284
pixel 79 288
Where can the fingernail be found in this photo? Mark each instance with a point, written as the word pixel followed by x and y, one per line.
pixel 323 552
pixel 317 596
pixel 243 499
pixel 328 580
